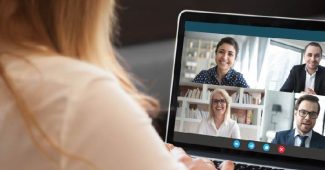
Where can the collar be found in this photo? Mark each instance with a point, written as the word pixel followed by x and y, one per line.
pixel 213 72
pixel 311 74
pixel 309 134
pixel 211 122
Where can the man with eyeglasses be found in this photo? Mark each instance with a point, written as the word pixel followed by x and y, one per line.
pixel 306 113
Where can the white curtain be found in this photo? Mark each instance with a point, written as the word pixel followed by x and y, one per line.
pixel 277 64
pixel 250 59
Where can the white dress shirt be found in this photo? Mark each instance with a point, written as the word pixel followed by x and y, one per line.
pixel 298 140
pixel 84 109
pixel 228 128
pixel 310 80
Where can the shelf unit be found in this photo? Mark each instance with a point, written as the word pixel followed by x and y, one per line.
pixel 198 54
pixel 192 108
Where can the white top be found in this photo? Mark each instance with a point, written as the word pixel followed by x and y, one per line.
pixel 310 80
pixel 298 140
pixel 229 128
pixel 86 111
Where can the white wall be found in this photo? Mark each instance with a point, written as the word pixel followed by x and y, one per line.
pixel 283 120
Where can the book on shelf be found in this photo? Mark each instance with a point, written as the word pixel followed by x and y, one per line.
pixel 247 98
pixel 233 117
pixel 256 98
pixel 242 116
pixel 187 113
pixel 201 95
pixel 249 117
pixel 208 95
pixel 235 97
pixel 204 114
pixel 198 93
pixel 193 93
pixel 196 114
pixel 252 98
pixel 244 98
pixel 188 92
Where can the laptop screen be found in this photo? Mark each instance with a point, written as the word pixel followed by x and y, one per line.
pixel 236 82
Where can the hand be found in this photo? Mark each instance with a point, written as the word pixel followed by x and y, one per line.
pixel 227 165
pixel 169 146
pixel 197 163
pixel 310 91
pixel 192 163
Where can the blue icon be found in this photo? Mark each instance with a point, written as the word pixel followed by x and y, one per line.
pixel 236 143
pixel 251 145
pixel 266 147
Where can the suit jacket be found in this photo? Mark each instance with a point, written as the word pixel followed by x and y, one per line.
pixel 297 77
pixel 287 138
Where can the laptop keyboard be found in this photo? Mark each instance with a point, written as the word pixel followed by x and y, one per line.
pixel 242 166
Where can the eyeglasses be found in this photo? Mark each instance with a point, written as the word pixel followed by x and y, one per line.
pixel 216 101
pixel 304 113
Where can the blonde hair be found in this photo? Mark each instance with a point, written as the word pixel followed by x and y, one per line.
pixel 225 94
pixel 80 29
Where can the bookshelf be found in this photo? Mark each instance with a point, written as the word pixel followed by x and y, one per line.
pixel 193 104
pixel 198 54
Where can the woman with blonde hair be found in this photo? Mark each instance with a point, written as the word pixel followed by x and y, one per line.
pixel 66 102
pixel 219 122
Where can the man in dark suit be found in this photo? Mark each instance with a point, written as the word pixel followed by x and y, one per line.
pixel 306 112
pixel 308 78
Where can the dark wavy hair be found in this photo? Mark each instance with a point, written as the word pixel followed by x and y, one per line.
pixel 228 40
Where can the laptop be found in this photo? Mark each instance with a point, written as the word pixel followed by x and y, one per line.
pixel 268 48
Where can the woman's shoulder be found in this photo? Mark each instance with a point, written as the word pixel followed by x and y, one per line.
pixel 231 122
pixel 66 70
pixel 205 122
pixel 237 73
pixel 203 72
pixel 238 78
pixel 204 76
pixel 56 74
pixel 211 70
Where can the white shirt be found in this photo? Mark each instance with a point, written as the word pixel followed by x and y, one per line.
pixel 310 80
pixel 228 128
pixel 307 141
pixel 84 110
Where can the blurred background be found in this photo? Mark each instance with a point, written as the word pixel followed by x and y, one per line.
pixel 148 29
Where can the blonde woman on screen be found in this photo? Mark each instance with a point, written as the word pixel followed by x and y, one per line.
pixel 66 103
pixel 218 122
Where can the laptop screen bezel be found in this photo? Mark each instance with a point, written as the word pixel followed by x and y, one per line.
pixel 238 19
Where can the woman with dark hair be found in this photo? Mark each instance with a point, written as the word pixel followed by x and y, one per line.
pixel 223 73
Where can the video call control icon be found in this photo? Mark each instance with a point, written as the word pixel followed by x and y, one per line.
pixel 251 145
pixel 236 143
pixel 266 147
pixel 281 149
